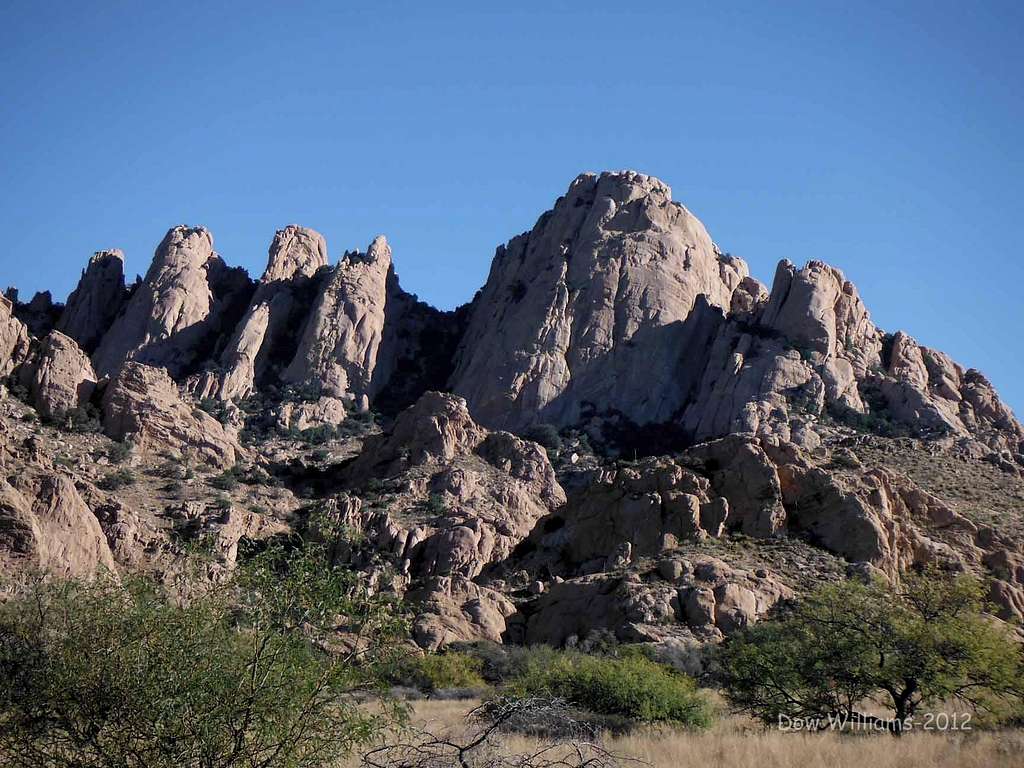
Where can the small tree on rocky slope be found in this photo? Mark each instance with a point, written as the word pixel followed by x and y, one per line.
pixel 118 674
pixel 920 644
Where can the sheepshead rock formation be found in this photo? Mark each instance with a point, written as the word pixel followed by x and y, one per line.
pixel 173 317
pixel 59 376
pixel 93 305
pixel 142 405
pixel 45 525
pixel 296 255
pixel 14 341
pixel 587 311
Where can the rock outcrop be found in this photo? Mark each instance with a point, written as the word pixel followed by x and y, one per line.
pixel 456 498
pixel 367 339
pixel 173 317
pixel 59 376
pixel 587 311
pixel 14 341
pixel 142 405
pixel 45 525
pixel 339 349
pixel 703 598
pixel 93 305
pixel 276 309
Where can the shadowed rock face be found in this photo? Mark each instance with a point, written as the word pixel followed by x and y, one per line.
pixel 173 317
pixel 588 310
pixel 93 305
pixel 296 255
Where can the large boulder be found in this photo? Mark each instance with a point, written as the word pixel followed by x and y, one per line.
pixel 142 405
pixel 45 525
pixel 93 305
pixel 587 310
pixel 59 376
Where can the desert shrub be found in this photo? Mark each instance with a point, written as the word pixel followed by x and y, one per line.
pixel 919 644
pixel 438 671
pixel 80 420
pixel 119 452
pixel 226 480
pixel 106 673
pixel 116 480
pixel 630 686
pixel 216 408
pixel 546 435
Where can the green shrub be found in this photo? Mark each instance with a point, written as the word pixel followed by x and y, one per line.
pixel 631 686
pixel 546 435
pixel 116 480
pixel 105 673
pixel 438 671
pixel 119 452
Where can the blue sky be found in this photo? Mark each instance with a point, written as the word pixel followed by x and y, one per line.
pixel 884 138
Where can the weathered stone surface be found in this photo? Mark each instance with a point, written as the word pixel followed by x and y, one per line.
pixel 340 345
pixel 589 308
pixel 709 599
pixel 14 341
pixel 325 411
pixel 93 305
pixel 173 317
pixel 295 256
pixel 741 472
pixel 45 524
pixel 142 405
pixel 454 609
pixel 59 376
pixel 929 390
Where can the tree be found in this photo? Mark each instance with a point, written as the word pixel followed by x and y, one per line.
pixel 919 644
pixel 121 674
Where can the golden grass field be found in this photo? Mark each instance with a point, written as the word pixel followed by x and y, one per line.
pixel 738 743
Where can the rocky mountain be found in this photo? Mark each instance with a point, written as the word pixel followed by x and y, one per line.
pixel 711 446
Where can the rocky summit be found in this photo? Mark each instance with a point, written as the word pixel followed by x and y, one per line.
pixel 624 433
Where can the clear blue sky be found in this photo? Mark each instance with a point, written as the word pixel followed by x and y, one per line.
pixel 885 140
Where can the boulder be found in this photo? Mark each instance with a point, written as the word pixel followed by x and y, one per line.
pixel 142 405
pixel 59 376
pixel 45 525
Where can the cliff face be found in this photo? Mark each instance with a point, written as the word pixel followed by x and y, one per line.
pixel 587 312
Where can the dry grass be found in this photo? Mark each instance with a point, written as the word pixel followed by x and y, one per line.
pixel 737 743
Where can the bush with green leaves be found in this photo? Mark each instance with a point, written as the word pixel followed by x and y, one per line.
pixel 248 674
pixel 439 671
pixel 117 480
pixel 919 644
pixel 631 686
